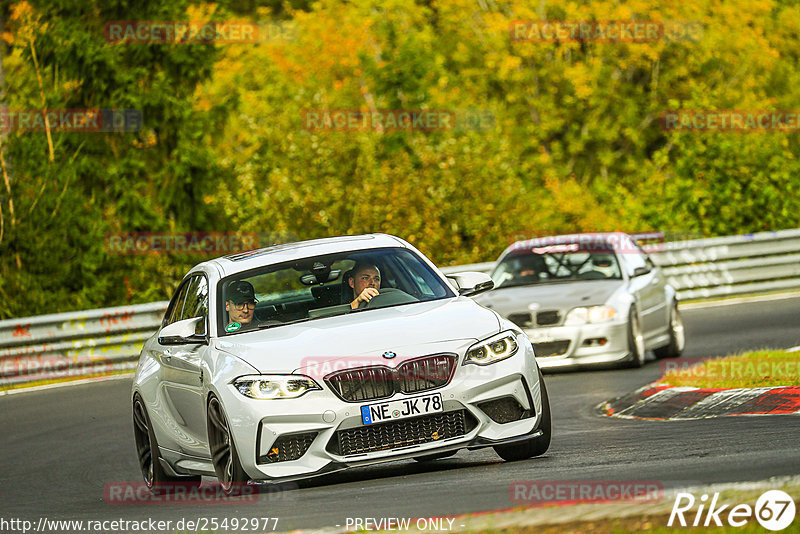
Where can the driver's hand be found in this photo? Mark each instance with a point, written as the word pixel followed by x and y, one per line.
pixel 364 297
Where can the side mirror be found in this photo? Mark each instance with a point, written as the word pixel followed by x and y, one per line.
pixel 471 283
pixel 639 271
pixel 182 333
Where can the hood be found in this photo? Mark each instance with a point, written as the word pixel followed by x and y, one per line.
pixel 409 331
pixel 558 296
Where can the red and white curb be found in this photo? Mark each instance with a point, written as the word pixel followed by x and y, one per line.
pixel 664 402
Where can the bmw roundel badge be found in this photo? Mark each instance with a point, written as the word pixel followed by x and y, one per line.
pixel 389 355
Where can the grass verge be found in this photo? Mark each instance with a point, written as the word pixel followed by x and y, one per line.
pixel 653 524
pixel 761 368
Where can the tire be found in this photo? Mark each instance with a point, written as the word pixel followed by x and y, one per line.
pixel 677 337
pixel 224 456
pixel 156 478
pixel 535 446
pixel 635 340
pixel 435 456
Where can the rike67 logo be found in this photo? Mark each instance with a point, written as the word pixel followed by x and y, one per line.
pixel 774 510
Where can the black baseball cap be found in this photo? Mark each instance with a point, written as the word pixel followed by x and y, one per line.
pixel 240 292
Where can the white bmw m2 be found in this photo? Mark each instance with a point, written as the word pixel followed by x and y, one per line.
pixel 301 359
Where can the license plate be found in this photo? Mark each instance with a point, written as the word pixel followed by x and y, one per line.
pixel 400 409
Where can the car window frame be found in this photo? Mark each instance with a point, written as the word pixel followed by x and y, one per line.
pixel 628 256
pixel 204 279
pixel 178 295
pixel 547 258
pixel 241 275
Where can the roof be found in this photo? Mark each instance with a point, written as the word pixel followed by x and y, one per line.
pixel 244 261
pixel 616 241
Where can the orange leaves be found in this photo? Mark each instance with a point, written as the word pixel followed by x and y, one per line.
pixel 329 43
pixel 576 143
pixel 20 10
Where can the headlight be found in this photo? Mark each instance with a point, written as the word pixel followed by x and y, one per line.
pixel 492 350
pixel 592 314
pixel 268 387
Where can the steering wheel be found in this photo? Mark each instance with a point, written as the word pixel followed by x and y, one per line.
pixel 363 305
pixel 388 297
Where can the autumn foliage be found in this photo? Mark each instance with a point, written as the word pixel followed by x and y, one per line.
pixel 567 136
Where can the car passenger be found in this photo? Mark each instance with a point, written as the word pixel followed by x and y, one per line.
pixel 365 281
pixel 240 305
pixel 529 269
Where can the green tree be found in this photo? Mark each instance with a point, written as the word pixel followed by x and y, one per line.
pixel 68 198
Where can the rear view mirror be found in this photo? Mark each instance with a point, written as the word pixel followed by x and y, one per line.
pixel 471 283
pixel 320 278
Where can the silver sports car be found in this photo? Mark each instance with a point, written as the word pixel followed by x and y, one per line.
pixel 587 299
pixel 301 359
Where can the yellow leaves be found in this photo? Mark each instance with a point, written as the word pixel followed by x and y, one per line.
pixel 505 65
pixel 203 11
pixel 544 156
pixel 595 100
pixel 462 53
pixel 511 62
pixel 651 52
pixel 26 22
pixel 497 23
pixel 623 12
pixel 582 80
pixel 583 211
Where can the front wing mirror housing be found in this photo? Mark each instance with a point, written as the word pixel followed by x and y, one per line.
pixel 470 283
pixel 181 333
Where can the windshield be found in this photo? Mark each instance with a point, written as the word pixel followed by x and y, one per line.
pixel 555 263
pixel 325 286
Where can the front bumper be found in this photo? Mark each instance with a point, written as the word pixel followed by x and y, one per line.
pixel 571 346
pixel 259 427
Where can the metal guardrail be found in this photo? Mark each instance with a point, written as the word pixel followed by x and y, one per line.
pixel 719 266
pixel 79 344
pixel 101 341
pixel 734 265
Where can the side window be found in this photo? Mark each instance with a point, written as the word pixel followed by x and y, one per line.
pixel 175 307
pixel 189 299
pixel 197 302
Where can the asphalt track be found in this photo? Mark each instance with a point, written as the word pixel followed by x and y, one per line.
pixel 61 447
